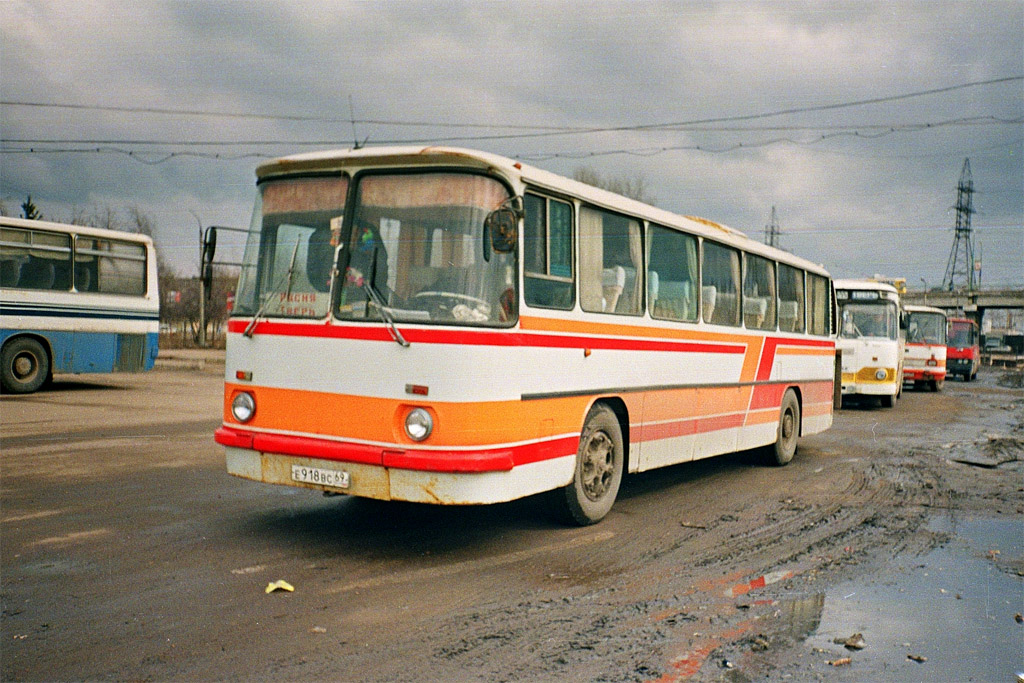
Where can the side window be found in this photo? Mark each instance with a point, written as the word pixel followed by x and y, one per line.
pixel 109 266
pixel 30 259
pixel 758 293
pixel 547 258
pixel 672 274
pixel 791 299
pixel 611 263
pixel 720 279
pixel 817 304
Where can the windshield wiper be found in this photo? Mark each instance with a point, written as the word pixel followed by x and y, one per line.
pixel 378 301
pixel 273 292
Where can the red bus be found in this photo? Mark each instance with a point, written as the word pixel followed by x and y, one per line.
pixel 963 354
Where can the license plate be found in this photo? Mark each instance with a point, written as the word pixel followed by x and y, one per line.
pixel 316 475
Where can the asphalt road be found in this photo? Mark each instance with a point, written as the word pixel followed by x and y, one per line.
pixel 129 554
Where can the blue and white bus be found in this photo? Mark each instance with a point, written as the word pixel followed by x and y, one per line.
pixel 74 299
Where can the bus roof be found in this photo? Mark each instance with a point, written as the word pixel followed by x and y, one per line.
pixel 914 308
pixel 76 229
pixel 456 156
pixel 867 285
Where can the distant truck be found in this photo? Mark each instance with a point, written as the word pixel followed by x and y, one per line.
pixel 963 352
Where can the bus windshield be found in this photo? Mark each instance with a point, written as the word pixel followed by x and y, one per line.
pixel 418 248
pixel 869 319
pixel 962 334
pixel 926 328
pixel 286 270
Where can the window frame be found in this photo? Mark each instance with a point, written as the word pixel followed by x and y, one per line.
pixel 802 300
pixel 695 297
pixel 771 323
pixel 640 284
pixel 737 284
pixel 547 275
pixel 809 278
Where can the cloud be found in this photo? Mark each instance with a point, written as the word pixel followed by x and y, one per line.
pixel 603 65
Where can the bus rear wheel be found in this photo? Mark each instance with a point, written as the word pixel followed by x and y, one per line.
pixel 784 448
pixel 24 366
pixel 599 465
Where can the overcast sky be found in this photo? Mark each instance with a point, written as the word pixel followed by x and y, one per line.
pixel 852 119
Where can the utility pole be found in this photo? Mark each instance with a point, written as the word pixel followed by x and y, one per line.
pixel 202 290
pixel 771 231
pixel 960 271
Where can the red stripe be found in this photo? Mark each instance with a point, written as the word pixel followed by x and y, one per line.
pixel 714 424
pixel 482 460
pixel 771 344
pixel 767 396
pixel 689 427
pixel 480 337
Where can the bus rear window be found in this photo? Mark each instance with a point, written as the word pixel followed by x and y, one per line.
pixel 109 266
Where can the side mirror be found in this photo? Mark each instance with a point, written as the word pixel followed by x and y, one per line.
pixel 503 226
pixel 209 244
pixel 209 249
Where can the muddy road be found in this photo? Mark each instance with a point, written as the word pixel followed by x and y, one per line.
pixel 128 553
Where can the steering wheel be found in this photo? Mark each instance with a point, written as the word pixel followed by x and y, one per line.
pixel 441 304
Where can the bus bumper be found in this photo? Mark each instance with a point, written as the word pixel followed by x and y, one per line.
pixel 392 483
pixel 870 389
pixel 924 375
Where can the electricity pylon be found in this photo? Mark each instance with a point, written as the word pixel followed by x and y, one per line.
pixel 960 270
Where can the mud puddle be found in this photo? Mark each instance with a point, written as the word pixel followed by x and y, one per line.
pixel 952 614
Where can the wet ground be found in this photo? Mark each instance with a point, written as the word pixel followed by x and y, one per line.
pixel 947 615
pixel 128 553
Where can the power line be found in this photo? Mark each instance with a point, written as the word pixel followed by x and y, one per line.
pixel 108 146
pixel 852 129
pixel 547 130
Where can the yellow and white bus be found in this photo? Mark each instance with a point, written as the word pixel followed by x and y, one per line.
pixel 924 362
pixel 870 339
pixel 447 326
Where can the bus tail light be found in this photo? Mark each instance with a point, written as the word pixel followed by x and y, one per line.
pixel 418 424
pixel 243 406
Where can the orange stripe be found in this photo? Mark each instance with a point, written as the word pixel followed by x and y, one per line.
pixel 620 330
pixel 381 420
pixel 795 351
pixel 751 360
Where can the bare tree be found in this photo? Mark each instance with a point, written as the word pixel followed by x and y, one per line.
pixel 634 187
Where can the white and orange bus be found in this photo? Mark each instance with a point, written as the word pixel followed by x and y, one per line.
pixel 924 361
pixel 446 326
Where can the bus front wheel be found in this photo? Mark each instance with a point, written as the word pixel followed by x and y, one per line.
pixel 599 465
pixel 24 366
pixel 782 451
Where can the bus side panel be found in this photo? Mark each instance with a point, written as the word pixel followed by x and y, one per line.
pixel 92 352
pixel 136 352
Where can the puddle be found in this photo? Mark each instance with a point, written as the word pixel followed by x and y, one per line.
pixel 955 607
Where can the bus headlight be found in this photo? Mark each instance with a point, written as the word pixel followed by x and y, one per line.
pixel 418 424
pixel 243 406
pixel 880 374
